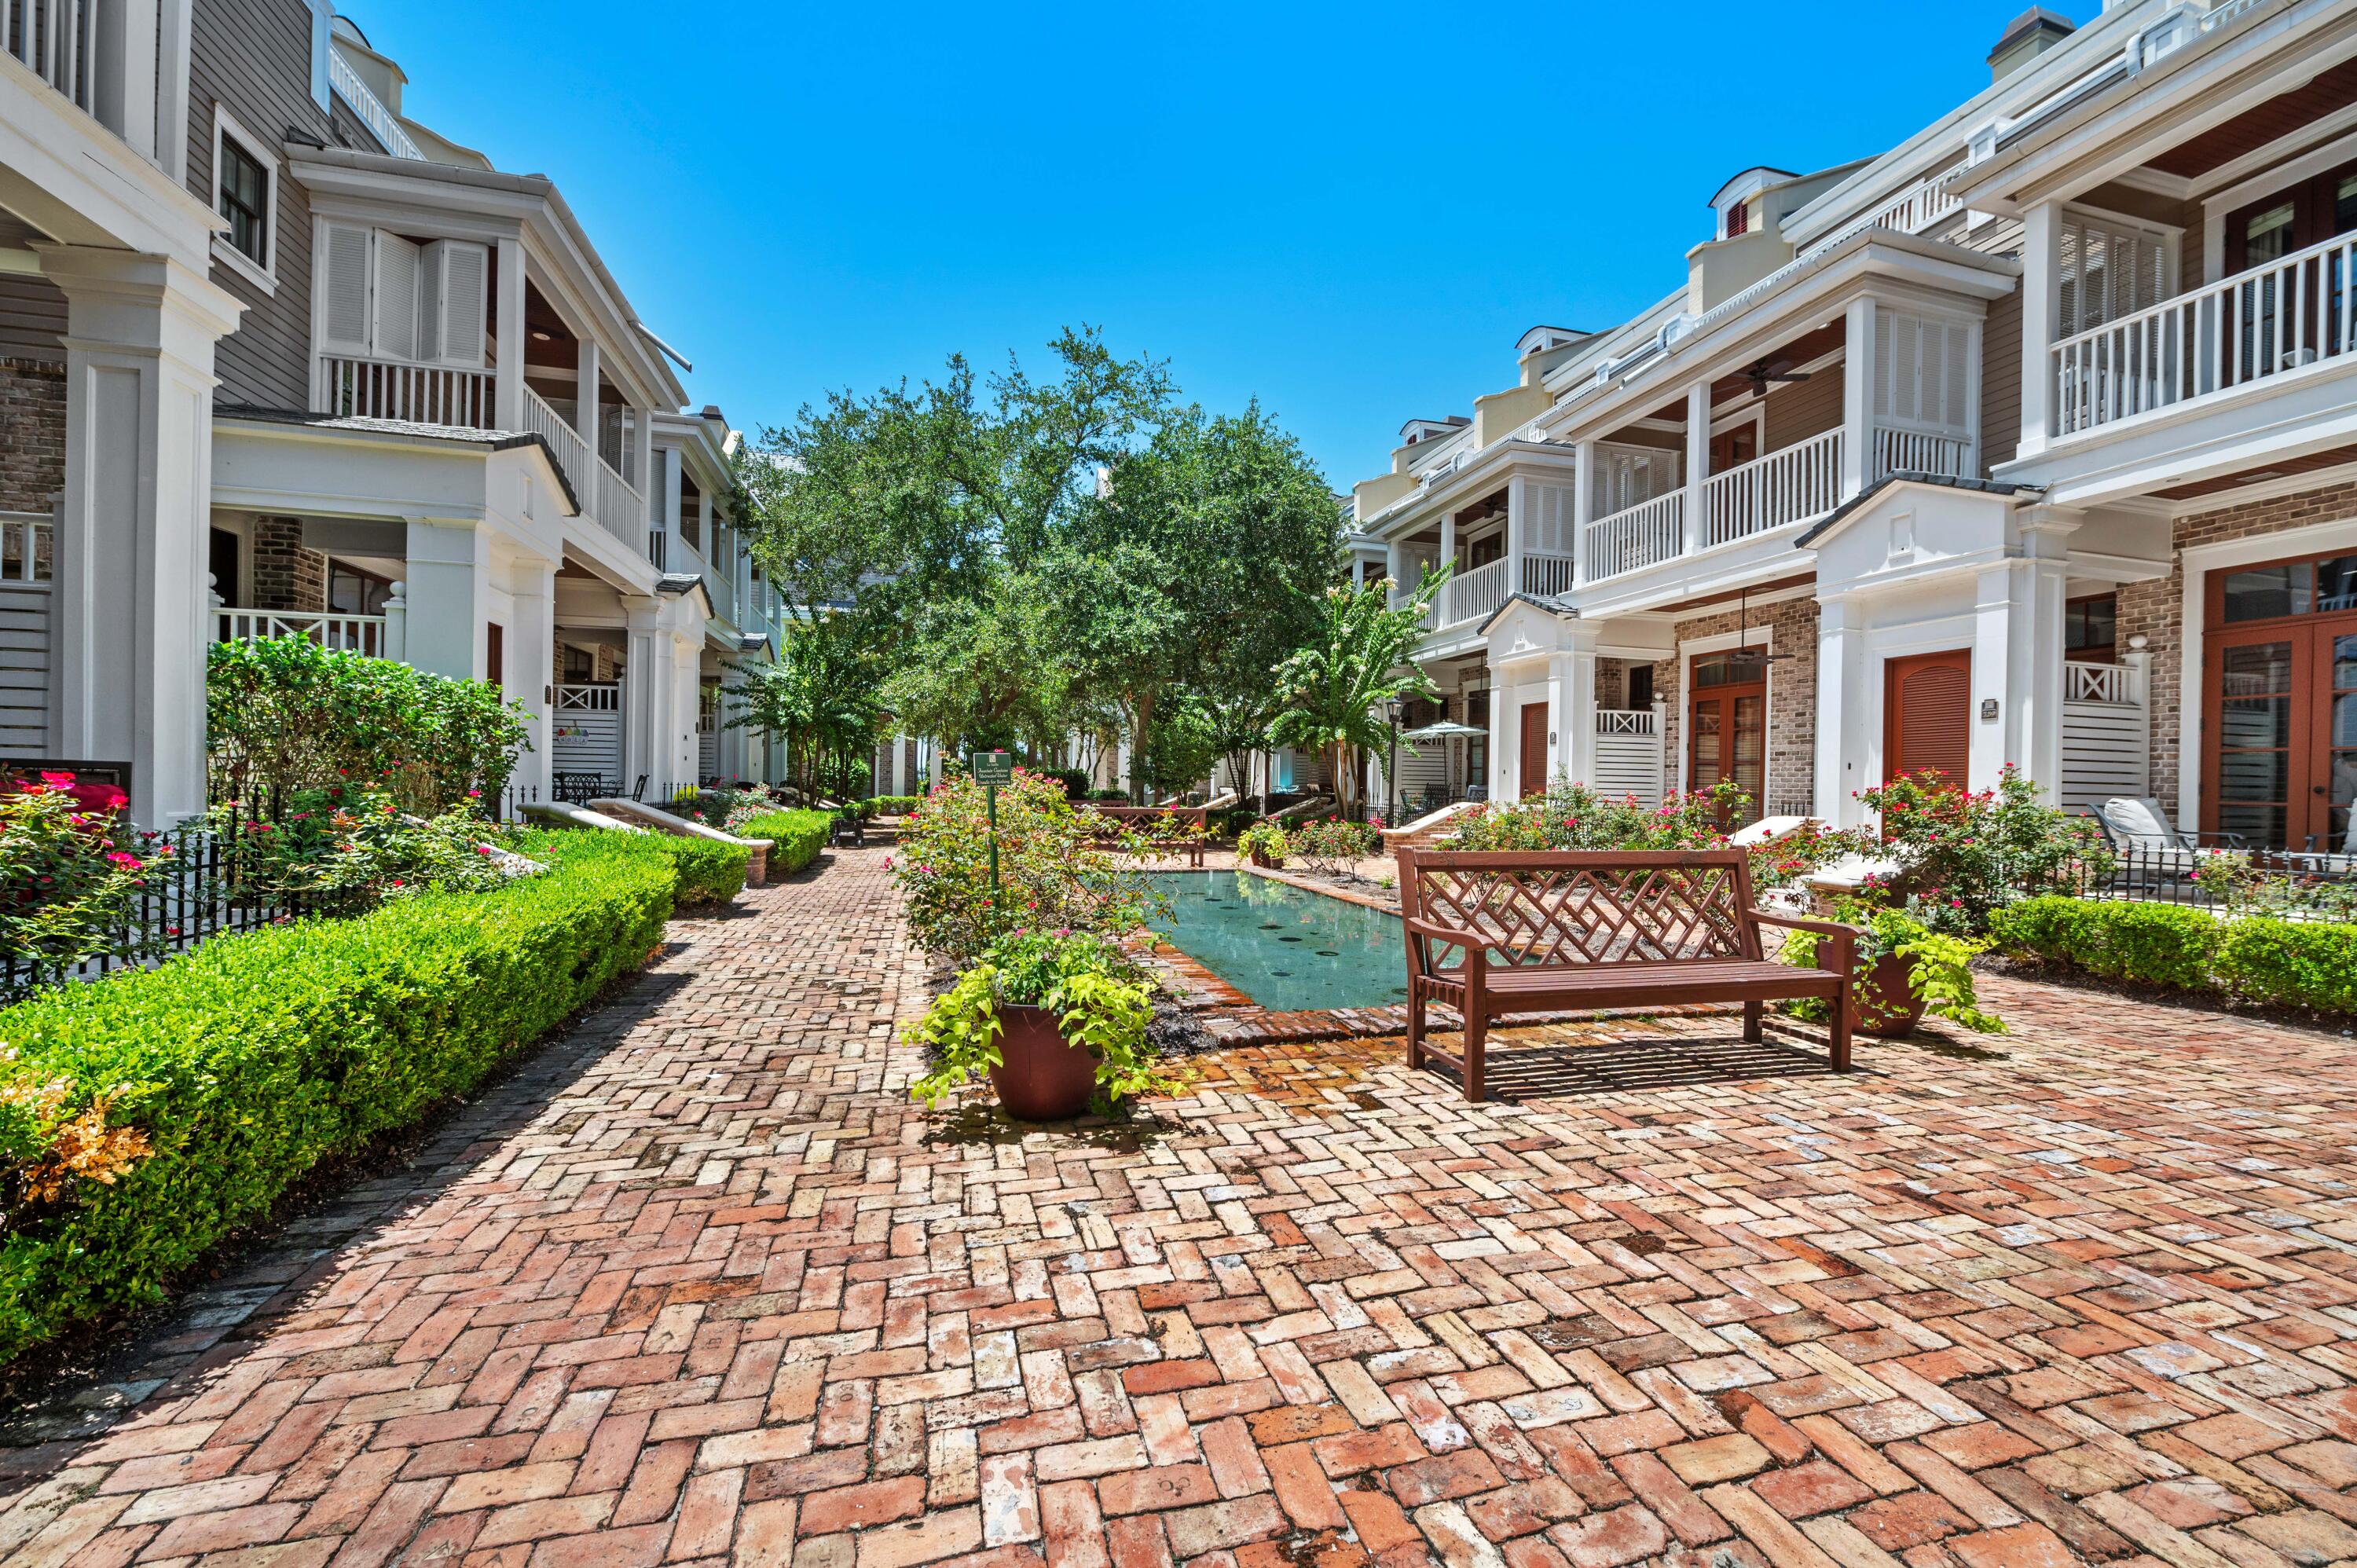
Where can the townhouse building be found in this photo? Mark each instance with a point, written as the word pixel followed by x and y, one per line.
pixel 2030 440
pixel 279 358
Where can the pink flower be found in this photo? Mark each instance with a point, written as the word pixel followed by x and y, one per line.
pixel 128 861
pixel 482 849
pixel 57 781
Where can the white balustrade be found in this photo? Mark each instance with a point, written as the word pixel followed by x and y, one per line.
pixel 25 545
pixel 618 504
pixel 1898 451
pixel 602 493
pixel 2266 321
pixel 1473 594
pixel 352 387
pixel 1791 485
pixel 2085 681
pixel 54 38
pixel 329 629
pixel 1627 721
pixel 380 120
pixel 589 697
pixel 1636 536
pixel 1548 574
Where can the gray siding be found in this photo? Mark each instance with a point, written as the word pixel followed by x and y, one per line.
pixel 32 320
pixel 254 57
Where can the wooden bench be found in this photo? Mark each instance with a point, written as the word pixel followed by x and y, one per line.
pixel 1114 820
pixel 1491 935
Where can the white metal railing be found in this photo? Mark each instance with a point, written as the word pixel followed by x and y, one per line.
pixel 589 697
pixel 2280 316
pixel 616 503
pixel 571 453
pixel 380 120
pixel 1474 594
pixel 25 542
pixel 54 37
pixel 329 629
pixel 2085 681
pixel 1635 536
pixel 1548 574
pixel 1799 481
pixel 1898 451
pixel 352 387
pixel 1627 721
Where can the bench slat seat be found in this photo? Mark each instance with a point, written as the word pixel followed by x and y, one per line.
pixel 1494 934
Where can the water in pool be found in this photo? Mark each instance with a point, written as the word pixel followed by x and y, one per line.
pixel 1288 949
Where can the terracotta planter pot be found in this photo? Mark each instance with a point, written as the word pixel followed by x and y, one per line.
pixel 1043 1077
pixel 1888 1007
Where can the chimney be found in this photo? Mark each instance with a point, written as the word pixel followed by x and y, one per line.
pixel 2025 37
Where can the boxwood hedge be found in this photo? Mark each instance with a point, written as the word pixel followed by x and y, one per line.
pixel 2250 959
pixel 251 1060
pixel 795 837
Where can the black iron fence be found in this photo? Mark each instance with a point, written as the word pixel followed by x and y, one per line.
pixel 2260 881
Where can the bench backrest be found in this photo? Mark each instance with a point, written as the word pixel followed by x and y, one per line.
pixel 1570 906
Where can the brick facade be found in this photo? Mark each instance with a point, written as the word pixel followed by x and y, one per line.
pixel 2157 609
pixel 287 576
pixel 1792 696
pixel 32 434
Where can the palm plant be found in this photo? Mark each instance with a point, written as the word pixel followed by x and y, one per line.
pixel 1359 660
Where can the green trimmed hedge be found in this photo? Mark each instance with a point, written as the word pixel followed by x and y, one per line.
pixel 709 872
pixel 889 805
pixel 253 1058
pixel 795 837
pixel 2254 959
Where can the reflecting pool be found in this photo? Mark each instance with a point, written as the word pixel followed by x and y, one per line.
pixel 1288 948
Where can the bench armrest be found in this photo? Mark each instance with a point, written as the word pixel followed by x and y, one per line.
pixel 1455 936
pixel 1805 923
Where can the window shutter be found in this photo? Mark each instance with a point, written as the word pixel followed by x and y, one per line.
pixel 397 275
pixel 344 285
pixel 450 302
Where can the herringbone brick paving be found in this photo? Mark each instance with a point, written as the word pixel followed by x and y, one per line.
pixel 703 1284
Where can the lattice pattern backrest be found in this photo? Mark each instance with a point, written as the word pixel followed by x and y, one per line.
pixel 1590 910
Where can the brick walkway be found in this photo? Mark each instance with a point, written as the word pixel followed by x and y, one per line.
pixel 699 1282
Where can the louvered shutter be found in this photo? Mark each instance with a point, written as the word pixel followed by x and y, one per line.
pixel 344 289
pixel 398 273
pixel 2106 270
pixel 450 302
pixel 1929 720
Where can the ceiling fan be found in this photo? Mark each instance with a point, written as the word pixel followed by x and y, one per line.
pixel 1744 653
pixel 1762 372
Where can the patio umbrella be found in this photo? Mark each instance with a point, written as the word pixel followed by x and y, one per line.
pixel 1447 729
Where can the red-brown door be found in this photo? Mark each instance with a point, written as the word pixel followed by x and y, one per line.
pixel 1927 715
pixel 495 654
pixel 2281 736
pixel 1535 750
pixel 1726 733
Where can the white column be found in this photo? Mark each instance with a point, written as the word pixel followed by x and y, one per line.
pixel 2041 321
pixel 132 623
pixel 641 454
pixel 1857 398
pixel 667 505
pixel 687 690
pixel 507 384
pixel 531 652
pixel 1845 744
pixel 396 622
pixel 704 545
pixel 1697 462
pixel 1396 568
pixel 1571 707
pixel 1518 530
pixel 646 692
pixel 123 74
pixel 449 597
pixel 584 409
pixel 1583 507
pixel 1450 594
pixel 2018 676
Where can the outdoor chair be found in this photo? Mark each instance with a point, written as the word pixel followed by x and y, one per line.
pixel 2151 847
pixel 639 790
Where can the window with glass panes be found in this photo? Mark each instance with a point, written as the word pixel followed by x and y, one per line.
pixel 245 200
pixel 2281 703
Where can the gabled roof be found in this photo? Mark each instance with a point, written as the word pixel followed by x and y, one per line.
pixel 1864 497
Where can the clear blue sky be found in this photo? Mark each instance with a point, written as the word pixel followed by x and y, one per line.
pixel 1350 211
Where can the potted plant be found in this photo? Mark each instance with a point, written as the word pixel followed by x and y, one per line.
pixel 1262 844
pixel 1903 969
pixel 1056 1019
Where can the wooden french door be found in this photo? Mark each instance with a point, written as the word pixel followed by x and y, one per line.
pixel 1535 750
pixel 1927 713
pixel 2281 768
pixel 1726 731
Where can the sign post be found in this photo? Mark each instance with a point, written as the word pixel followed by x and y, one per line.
pixel 991 769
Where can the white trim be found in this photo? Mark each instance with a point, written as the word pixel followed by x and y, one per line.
pixel 2260 490
pixel 1754 414
pixel 2199 561
pixel 2326 155
pixel 262 274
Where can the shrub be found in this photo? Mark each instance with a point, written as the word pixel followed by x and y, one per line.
pixel 1100 1000
pixel 349 850
pixel 284 715
pixel 1075 780
pixel 1058 866
pixel 190 1096
pixel 2290 963
pixel 707 871
pixel 1938 968
pixel 1573 816
pixel 795 837
pixel 68 883
pixel 2149 944
pixel 888 805
pixel 1330 846
pixel 1963 854
pixel 1110 796
pixel 1262 844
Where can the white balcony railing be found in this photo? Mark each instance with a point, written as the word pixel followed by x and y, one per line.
pixel 1473 594
pixel 589 697
pixel 603 495
pixel 329 629
pixel 1635 536
pixel 1799 481
pixel 352 387
pixel 1627 721
pixel 619 505
pixel 25 544
pixel 380 120
pixel 54 38
pixel 2269 320
pixel 2089 682
pixel 1944 453
pixel 1548 574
